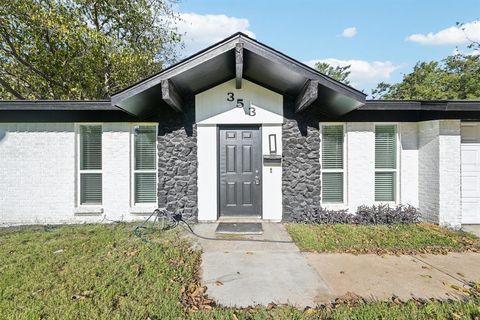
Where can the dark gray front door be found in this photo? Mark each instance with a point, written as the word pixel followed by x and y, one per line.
pixel 240 171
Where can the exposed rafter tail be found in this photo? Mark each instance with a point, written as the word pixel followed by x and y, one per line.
pixel 238 65
pixel 171 96
pixel 307 96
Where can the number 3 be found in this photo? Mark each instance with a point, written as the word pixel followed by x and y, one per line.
pixel 251 112
pixel 230 96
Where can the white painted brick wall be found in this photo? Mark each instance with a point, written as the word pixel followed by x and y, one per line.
pixel 450 173
pixel 116 168
pixel 408 163
pixel 37 180
pixel 38 174
pixel 428 162
pixel 360 164
pixel 439 171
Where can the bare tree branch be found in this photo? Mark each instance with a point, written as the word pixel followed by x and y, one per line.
pixel 15 54
pixel 7 87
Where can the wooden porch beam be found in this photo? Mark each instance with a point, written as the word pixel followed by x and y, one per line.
pixel 238 65
pixel 307 96
pixel 171 96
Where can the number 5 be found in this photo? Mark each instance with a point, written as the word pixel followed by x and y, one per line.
pixel 240 103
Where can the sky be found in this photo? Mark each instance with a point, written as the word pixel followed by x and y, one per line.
pixel 381 39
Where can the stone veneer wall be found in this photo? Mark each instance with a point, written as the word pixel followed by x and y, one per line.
pixel 177 163
pixel 301 165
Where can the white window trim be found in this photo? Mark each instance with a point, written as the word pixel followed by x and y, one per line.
pixel 142 208
pixel 397 170
pixel 335 205
pixel 85 208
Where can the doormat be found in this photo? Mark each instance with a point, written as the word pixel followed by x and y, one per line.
pixel 239 228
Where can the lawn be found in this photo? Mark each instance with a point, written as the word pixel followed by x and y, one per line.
pixel 381 239
pixel 105 272
pixel 92 272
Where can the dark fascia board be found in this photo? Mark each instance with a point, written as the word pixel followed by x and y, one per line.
pixel 422 105
pixel 229 44
pixel 66 116
pixel 301 68
pixel 361 115
pixel 182 66
pixel 57 105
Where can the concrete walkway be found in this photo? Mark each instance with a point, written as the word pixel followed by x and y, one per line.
pixel 245 273
pixel 472 228
pixel 381 277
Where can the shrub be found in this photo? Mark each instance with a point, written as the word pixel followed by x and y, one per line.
pixel 384 214
pixel 376 214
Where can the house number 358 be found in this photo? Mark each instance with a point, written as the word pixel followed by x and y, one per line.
pixel 240 104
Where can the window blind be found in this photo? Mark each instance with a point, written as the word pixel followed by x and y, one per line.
pixel 385 186
pixel 385 162
pixel 332 187
pixel 145 187
pixel 332 163
pixel 91 147
pixel 145 175
pixel 332 147
pixel 90 188
pixel 385 147
pixel 90 164
pixel 145 148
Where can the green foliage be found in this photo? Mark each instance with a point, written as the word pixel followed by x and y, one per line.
pixel 383 239
pixel 338 73
pixel 82 49
pixel 456 77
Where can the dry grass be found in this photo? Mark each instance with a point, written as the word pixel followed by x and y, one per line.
pixel 104 272
pixel 381 239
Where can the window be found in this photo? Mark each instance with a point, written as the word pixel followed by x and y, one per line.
pixel 145 164
pixel 90 164
pixel 332 164
pixel 385 163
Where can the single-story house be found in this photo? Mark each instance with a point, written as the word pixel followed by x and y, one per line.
pixel 238 130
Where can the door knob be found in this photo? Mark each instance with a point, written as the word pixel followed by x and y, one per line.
pixel 257 180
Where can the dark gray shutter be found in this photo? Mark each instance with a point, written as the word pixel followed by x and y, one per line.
pixel 90 160
pixel 145 150
pixel 332 158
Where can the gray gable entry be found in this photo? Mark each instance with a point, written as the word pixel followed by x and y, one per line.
pixel 239 57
